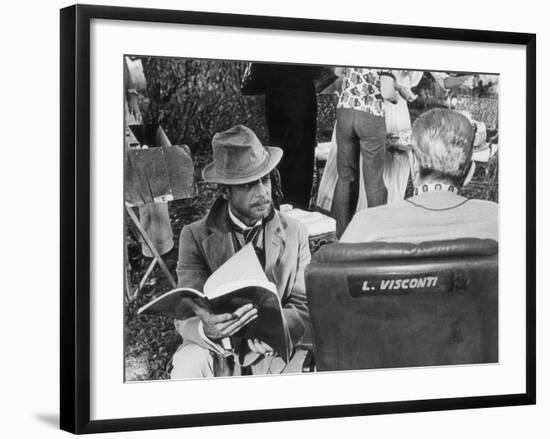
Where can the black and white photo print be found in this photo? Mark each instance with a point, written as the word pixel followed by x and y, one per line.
pixel 298 218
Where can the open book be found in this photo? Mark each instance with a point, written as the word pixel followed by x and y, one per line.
pixel 239 281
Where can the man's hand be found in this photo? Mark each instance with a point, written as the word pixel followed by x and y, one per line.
pixel 260 347
pixel 218 326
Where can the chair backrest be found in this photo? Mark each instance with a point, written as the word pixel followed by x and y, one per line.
pixel 382 305
pixel 158 175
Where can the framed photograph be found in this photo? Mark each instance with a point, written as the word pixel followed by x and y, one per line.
pixel 273 218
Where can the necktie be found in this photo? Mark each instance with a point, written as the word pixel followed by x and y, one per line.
pixel 249 235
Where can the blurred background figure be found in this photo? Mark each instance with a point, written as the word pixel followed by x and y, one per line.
pixel 291 113
pixel 131 106
pixel 154 217
pixel 361 132
pixel 398 125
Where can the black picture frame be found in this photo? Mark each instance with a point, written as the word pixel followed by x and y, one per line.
pixel 75 217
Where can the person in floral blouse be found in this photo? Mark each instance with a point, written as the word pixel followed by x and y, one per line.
pixel 361 129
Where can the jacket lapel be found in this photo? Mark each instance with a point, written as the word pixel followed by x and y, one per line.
pixel 274 244
pixel 218 245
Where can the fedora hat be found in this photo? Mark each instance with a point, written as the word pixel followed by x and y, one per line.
pixel 239 157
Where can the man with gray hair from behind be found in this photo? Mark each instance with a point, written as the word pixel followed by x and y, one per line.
pixel 442 162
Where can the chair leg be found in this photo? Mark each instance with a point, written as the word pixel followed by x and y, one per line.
pixel 127 280
pixel 145 276
pixel 151 246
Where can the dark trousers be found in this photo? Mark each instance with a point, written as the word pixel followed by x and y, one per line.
pixel 291 113
pixel 358 133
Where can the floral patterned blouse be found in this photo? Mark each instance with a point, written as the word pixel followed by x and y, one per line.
pixel 361 90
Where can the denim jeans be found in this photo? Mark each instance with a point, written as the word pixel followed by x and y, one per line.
pixel 358 132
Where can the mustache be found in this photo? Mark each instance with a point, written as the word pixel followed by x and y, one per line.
pixel 261 203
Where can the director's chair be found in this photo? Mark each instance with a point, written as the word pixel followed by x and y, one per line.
pixel 384 305
pixel 155 175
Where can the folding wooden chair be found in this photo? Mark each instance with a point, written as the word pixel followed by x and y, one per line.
pixel 155 175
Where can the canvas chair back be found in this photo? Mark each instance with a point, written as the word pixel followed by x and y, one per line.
pixel 382 305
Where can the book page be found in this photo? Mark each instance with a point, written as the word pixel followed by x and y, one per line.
pixel 242 269
pixel 174 304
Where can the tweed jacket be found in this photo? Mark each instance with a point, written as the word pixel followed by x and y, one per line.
pixel 206 244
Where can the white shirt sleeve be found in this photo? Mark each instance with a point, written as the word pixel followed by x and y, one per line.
pixel 214 346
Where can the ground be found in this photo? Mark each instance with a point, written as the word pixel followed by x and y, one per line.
pixel 150 341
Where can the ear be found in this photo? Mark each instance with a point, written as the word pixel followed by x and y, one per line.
pixel 469 174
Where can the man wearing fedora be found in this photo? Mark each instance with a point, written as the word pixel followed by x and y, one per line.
pixel 242 214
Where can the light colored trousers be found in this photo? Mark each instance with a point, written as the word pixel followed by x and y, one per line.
pixel 397 166
pixel 194 361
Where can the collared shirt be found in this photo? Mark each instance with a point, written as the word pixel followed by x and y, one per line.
pixel 238 222
pixel 361 90
pixel 241 238
pixel 429 216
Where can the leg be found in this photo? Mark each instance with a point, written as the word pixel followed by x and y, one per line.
pixel 347 161
pixel 151 246
pixel 275 365
pixel 155 220
pixel 396 175
pixel 192 361
pixel 291 114
pixel 402 178
pixel 328 180
pixel 301 152
pixel 372 133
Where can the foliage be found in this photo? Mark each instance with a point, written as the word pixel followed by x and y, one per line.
pixel 193 99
